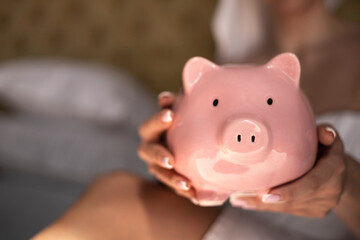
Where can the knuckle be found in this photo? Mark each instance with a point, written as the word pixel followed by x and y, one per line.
pixel 174 179
pixel 329 202
pixel 334 199
pixel 334 202
pixel 340 169
pixel 337 188
pixel 157 151
pixel 141 151
pixel 155 173
pixel 141 131
pixel 324 212
pixel 321 212
pixel 151 170
pixel 318 214
pixel 337 159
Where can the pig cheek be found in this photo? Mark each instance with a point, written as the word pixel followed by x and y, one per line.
pixel 272 169
pixel 218 171
pixel 198 165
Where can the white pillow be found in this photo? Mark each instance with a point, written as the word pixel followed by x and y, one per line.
pixel 75 89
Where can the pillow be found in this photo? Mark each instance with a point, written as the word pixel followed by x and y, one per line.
pixel 73 89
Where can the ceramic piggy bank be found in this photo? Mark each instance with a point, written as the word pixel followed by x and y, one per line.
pixel 241 129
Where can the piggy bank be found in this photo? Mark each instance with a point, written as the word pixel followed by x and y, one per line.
pixel 241 129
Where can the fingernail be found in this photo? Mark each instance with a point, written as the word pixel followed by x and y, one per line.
pixel 241 203
pixel 329 129
pixel 183 185
pixel 270 198
pixel 164 94
pixel 166 117
pixel 165 161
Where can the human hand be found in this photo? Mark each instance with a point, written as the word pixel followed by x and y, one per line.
pixel 153 150
pixel 315 193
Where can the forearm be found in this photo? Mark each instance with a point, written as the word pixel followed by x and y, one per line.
pixel 56 232
pixel 348 208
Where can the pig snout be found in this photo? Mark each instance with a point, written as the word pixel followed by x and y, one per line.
pixel 246 136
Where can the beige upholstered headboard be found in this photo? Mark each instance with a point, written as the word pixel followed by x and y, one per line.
pixel 151 39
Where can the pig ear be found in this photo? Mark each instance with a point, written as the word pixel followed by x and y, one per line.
pixel 194 69
pixel 289 64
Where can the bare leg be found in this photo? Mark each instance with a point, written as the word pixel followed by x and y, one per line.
pixel 123 206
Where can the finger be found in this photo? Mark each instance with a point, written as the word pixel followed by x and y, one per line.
pixel 306 186
pixel 170 178
pixel 254 203
pixel 326 134
pixel 337 147
pixel 298 189
pixel 325 168
pixel 295 190
pixel 243 202
pixel 309 207
pixel 166 99
pixel 152 128
pixel 154 153
pixel 329 137
pixel 190 194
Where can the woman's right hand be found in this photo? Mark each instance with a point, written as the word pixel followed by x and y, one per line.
pixel 154 152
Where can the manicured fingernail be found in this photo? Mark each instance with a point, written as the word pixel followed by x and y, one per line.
pixel 270 198
pixel 329 129
pixel 166 117
pixel 164 94
pixel 241 203
pixel 165 161
pixel 183 185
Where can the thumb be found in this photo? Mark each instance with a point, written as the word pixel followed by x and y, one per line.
pixel 326 134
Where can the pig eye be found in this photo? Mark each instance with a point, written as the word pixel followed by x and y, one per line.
pixel 269 101
pixel 215 102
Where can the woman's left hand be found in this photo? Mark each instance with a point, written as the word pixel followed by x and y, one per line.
pixel 315 193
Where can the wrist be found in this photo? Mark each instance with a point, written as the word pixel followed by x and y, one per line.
pixel 348 208
pixel 352 178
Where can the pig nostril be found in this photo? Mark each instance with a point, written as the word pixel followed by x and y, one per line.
pixel 239 138
pixel 252 138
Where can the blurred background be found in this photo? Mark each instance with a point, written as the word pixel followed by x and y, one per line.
pixel 78 76
pixel 150 39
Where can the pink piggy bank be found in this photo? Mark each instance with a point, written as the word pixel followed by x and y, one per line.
pixel 242 129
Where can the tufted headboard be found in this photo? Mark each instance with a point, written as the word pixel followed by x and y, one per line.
pixel 151 39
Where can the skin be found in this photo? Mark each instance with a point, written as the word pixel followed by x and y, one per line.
pixel 117 202
pixel 121 205
pixel 331 184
